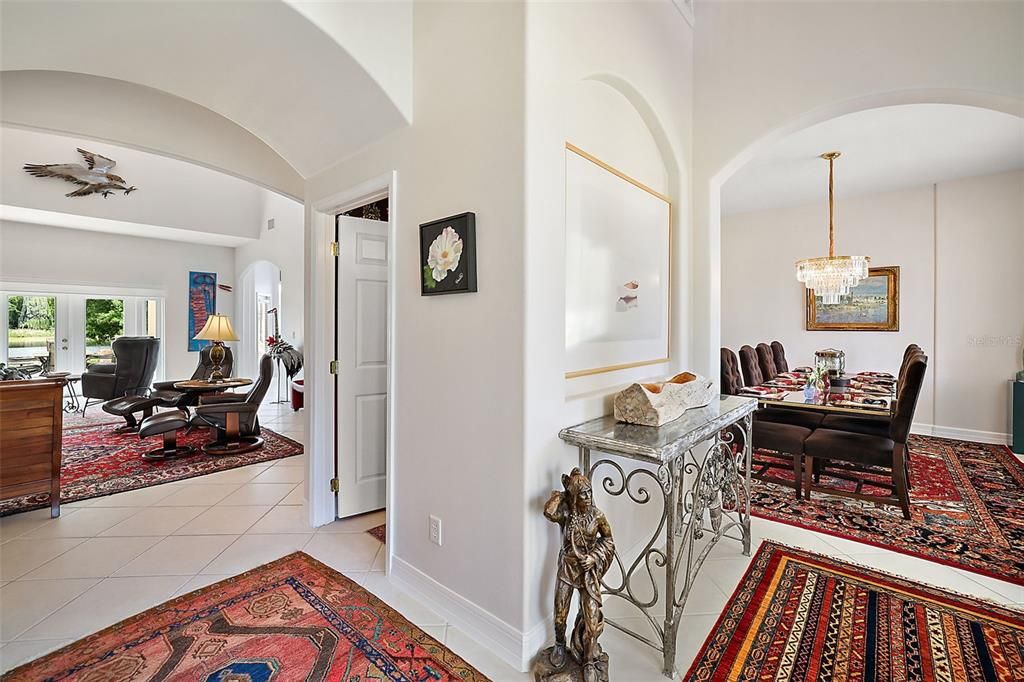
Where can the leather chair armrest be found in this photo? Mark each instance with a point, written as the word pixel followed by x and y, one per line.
pixel 165 385
pixel 102 368
pixel 225 408
pixel 96 385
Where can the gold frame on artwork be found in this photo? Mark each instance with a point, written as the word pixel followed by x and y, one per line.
pixel 892 324
pixel 668 337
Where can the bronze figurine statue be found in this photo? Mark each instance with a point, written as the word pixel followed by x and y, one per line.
pixel 586 554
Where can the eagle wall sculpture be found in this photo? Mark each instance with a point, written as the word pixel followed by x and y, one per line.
pixel 96 179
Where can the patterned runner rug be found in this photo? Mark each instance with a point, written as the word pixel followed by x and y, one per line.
pixel 803 617
pixel 99 462
pixel 966 500
pixel 292 619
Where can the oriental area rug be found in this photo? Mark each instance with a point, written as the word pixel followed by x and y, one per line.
pixel 99 462
pixel 380 533
pixel 966 508
pixel 804 617
pixel 291 619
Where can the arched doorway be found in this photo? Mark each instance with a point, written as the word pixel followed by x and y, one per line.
pixel 708 355
pixel 259 315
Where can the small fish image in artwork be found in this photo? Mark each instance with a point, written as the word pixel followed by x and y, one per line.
pixel 628 298
pixel 626 303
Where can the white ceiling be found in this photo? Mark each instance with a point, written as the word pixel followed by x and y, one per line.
pixel 263 65
pixel 883 150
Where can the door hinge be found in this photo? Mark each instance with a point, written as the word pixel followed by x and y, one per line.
pixel 335 249
pixel 334 366
pixel 334 485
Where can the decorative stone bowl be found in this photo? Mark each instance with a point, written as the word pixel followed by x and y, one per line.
pixel 654 404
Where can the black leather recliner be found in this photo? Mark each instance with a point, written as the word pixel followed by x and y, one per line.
pixel 135 359
pixel 168 396
pixel 234 415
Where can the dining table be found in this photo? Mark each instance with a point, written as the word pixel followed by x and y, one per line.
pixel 870 394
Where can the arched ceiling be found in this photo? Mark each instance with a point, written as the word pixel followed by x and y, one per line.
pixel 141 118
pixel 884 149
pixel 264 65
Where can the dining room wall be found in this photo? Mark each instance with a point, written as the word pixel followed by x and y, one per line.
pixel 970 326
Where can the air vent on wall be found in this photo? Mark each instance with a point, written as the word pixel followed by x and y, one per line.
pixel 270 224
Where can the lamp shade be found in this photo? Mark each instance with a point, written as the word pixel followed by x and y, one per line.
pixel 217 328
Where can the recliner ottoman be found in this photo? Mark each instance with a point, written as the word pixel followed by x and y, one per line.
pixel 166 424
pixel 128 406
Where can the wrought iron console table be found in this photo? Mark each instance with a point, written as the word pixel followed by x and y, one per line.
pixel 715 500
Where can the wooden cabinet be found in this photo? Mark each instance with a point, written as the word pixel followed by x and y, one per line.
pixel 31 420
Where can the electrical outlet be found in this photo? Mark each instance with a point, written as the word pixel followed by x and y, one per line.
pixel 435 530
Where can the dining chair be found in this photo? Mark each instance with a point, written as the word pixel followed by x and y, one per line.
pixel 851 456
pixel 766 361
pixel 873 426
pixel 750 366
pixel 779 355
pixel 774 430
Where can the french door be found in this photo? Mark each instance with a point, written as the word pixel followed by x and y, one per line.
pixel 68 332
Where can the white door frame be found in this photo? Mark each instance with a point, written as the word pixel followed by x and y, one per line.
pixel 319 346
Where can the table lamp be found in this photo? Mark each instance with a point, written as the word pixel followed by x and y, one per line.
pixel 218 330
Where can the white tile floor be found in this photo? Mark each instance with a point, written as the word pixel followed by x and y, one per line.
pixel 109 558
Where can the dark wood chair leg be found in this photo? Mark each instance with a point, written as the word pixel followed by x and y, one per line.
pixel 808 476
pixel 899 479
pixel 798 474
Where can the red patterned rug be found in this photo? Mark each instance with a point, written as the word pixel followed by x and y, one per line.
pixel 292 619
pixel 99 462
pixel 803 617
pixel 966 501
pixel 380 532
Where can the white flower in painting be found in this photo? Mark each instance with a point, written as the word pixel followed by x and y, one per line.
pixel 444 253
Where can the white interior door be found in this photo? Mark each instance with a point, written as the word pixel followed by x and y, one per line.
pixel 362 339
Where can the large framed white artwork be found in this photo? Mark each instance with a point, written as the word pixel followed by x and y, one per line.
pixel 618 245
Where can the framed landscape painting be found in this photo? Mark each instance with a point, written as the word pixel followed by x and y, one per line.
pixel 873 305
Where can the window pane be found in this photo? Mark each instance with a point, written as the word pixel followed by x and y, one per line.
pixel 31 331
pixel 104 321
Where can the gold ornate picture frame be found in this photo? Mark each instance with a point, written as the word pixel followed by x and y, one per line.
pixel 872 306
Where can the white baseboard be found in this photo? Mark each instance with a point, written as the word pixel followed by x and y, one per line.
pixel 993 437
pixel 504 641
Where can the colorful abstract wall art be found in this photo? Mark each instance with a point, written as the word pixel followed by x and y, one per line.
pixel 202 302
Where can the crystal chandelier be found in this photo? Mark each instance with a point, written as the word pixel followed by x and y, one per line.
pixel 832 277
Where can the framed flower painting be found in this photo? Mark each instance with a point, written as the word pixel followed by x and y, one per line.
pixel 448 255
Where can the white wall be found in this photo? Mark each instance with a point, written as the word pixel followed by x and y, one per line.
pixel 956 243
pixel 284 247
pixel 616 80
pixel 979 322
pixel 487 369
pixel 765 69
pixel 458 360
pixel 192 201
pixel 43 254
